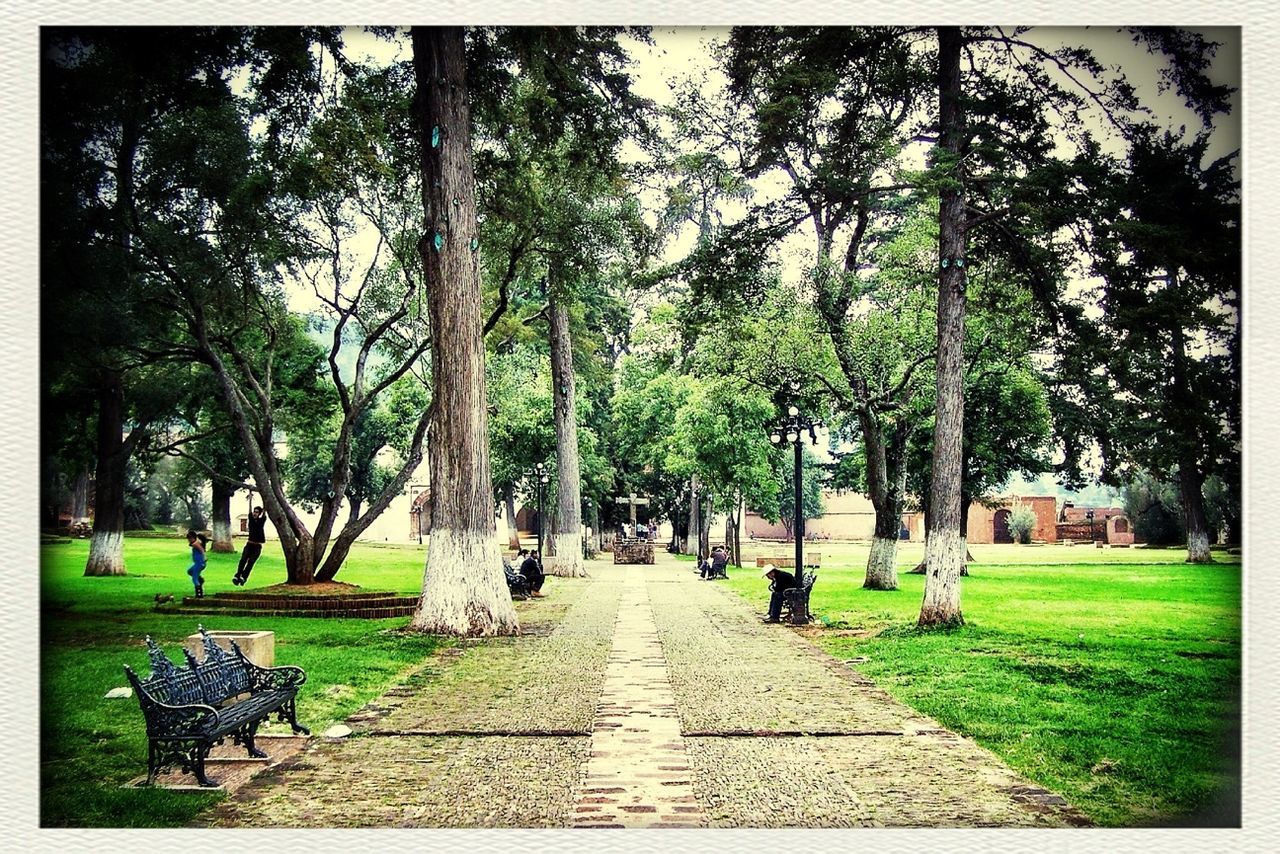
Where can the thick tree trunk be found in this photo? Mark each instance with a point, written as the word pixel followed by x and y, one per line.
pixel 464 589
pixel 221 512
pixel 80 496
pixel 882 563
pixel 568 529
pixel 513 533
pixel 946 547
pixel 1191 488
pixel 106 548
pixel 886 481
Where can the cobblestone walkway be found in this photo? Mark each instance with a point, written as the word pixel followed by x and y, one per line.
pixel 641 697
pixel 639 775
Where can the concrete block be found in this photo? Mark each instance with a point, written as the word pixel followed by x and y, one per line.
pixel 257 646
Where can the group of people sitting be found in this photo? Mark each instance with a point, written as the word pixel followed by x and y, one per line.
pixel 529 575
pixel 714 565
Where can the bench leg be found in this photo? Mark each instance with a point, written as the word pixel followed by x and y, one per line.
pixel 152 762
pixel 246 738
pixel 201 752
pixel 290 713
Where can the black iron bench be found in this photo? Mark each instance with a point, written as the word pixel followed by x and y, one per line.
pixel 795 601
pixel 516 583
pixel 190 709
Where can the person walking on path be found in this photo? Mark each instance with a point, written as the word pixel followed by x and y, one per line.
pixel 780 581
pixel 196 570
pixel 253 548
pixel 532 571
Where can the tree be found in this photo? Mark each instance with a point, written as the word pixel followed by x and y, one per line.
pixel 1001 132
pixel 945 550
pixel 811 486
pixel 117 99
pixel 521 430
pixel 555 130
pixel 1167 245
pixel 717 440
pixel 464 589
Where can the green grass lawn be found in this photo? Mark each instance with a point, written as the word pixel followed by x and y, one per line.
pixel 90 627
pixel 1110 676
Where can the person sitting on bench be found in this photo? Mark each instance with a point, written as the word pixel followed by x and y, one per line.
pixel 719 563
pixel 531 569
pixel 780 581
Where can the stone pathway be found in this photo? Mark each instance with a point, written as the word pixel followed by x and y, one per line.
pixel 641 697
pixel 639 775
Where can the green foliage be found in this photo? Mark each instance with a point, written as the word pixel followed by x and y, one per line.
pixel 1022 522
pixel 811 484
pixel 1155 508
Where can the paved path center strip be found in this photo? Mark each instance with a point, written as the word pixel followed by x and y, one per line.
pixel 638 774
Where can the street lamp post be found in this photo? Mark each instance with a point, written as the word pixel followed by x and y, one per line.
pixel 792 428
pixel 540 480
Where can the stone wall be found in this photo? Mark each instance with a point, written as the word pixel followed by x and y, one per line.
pixel 632 551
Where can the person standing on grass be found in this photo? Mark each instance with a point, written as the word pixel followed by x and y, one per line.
pixel 780 581
pixel 532 571
pixel 196 570
pixel 253 548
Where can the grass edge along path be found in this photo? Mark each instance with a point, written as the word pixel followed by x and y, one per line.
pixel 1114 683
pixel 90 747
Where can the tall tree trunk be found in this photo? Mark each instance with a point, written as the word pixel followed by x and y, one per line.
pixel 945 547
pixel 80 496
pixel 738 509
pixel 513 532
pixel 704 533
pixel 464 589
pixel 221 512
pixel 106 548
pixel 568 529
pixel 1190 477
pixel 695 522
pixel 194 502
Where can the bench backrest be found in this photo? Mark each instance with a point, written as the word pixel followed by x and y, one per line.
pixel 221 676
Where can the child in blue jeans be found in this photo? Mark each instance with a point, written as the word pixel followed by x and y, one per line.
pixel 197 543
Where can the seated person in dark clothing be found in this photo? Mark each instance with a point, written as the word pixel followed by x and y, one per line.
pixel 532 570
pixel 719 563
pixel 781 580
pixel 704 566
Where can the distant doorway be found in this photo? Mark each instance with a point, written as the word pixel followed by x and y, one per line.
pixel 1000 523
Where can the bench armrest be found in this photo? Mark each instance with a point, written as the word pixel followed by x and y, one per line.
pixel 164 719
pixel 284 676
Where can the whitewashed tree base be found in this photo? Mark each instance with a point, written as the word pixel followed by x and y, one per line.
pixel 882 565
pixel 106 554
pixel 464 591
pixel 1198 548
pixel 944 558
pixel 569 562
